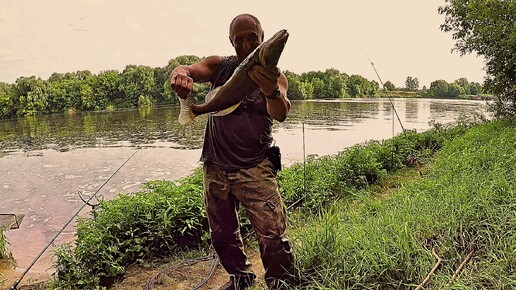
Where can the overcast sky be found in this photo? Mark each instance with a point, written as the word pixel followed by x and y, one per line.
pixel 401 37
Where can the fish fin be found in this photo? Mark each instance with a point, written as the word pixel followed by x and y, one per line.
pixel 226 111
pixel 211 94
pixel 185 114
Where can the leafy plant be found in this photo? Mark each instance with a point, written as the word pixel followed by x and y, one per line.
pixel 163 218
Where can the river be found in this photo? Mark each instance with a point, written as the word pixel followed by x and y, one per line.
pixel 46 161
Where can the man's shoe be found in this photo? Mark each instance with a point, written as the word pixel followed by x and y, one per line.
pixel 237 283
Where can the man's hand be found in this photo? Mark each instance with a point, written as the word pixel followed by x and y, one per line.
pixel 181 84
pixel 266 79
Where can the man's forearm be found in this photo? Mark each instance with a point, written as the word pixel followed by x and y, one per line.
pixel 278 108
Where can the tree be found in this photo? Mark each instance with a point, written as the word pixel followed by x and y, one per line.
pixel 412 84
pixel 294 86
pixel 388 85
pixel 475 88
pixel 137 84
pixel 106 88
pixel 439 88
pixel 7 101
pixel 487 28
pixel 32 93
pixel 455 91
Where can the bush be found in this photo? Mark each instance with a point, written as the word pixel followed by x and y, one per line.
pixel 153 223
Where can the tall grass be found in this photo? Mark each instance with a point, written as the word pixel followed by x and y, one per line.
pixel 323 179
pixel 466 204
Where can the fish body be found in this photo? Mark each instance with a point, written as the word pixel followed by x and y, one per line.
pixel 226 98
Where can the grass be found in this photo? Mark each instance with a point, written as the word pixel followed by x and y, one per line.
pixel 466 203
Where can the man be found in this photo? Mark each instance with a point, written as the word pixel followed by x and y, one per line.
pixel 236 167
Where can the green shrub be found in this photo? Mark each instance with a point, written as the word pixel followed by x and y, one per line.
pixel 153 223
pixel 320 180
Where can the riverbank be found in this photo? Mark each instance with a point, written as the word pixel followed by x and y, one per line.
pixel 364 215
pixel 426 94
pixel 459 216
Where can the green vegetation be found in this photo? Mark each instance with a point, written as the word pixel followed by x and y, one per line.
pixel 154 223
pixel 143 86
pixel 135 86
pixel 168 217
pixel 466 203
pixel 458 89
pixel 487 28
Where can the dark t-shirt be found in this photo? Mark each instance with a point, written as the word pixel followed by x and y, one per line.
pixel 240 139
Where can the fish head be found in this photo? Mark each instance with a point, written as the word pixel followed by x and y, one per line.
pixel 270 51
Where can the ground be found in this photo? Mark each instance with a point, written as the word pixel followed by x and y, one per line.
pixel 185 276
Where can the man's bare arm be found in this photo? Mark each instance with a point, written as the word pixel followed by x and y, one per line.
pixel 269 80
pixel 183 76
pixel 279 108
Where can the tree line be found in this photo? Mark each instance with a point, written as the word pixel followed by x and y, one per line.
pixel 139 85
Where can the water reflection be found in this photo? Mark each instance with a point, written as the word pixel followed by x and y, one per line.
pixel 158 126
pixel 329 113
pixel 411 110
pixel 100 129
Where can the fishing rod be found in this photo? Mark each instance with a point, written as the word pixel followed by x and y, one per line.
pixel 15 285
pixel 394 109
pixel 383 86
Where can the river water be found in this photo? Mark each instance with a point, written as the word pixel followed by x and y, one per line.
pixel 46 161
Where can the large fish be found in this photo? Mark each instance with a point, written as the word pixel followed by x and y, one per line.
pixel 226 98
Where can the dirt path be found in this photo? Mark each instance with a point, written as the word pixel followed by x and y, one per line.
pixel 185 277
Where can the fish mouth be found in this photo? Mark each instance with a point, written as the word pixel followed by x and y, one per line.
pixel 280 36
pixel 272 49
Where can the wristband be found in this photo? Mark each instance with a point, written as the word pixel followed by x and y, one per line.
pixel 274 95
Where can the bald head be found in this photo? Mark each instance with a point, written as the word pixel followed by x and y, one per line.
pixel 245 19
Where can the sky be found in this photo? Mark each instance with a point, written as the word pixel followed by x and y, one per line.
pixel 401 37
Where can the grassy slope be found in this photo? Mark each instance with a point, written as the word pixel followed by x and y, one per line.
pixel 466 203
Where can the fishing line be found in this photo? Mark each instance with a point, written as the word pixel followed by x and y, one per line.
pixel 304 169
pixel 15 285
pixel 304 159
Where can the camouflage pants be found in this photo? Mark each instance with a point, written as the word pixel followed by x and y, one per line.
pixel 257 190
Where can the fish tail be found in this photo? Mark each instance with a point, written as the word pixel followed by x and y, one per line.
pixel 185 114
